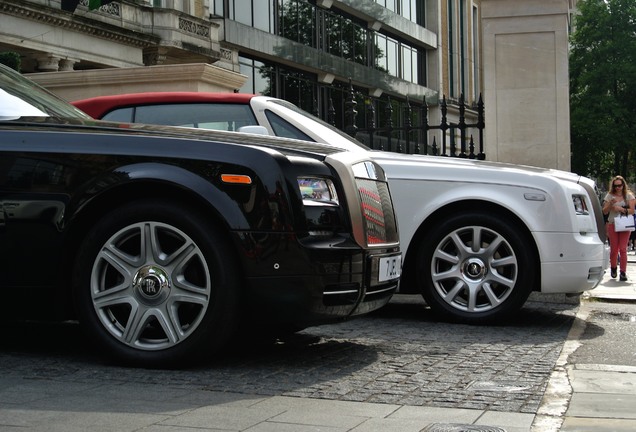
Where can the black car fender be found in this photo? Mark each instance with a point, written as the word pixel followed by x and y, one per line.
pixel 159 181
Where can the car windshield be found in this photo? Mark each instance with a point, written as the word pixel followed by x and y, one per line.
pixel 21 97
pixel 323 129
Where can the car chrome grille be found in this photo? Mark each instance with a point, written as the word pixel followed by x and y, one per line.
pixel 379 220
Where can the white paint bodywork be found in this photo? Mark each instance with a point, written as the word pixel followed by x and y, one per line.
pixel 572 253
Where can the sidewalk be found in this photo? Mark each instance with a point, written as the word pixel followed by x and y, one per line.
pixel 592 397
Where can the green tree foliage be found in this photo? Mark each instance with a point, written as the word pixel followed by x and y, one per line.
pixel 603 88
pixel 11 59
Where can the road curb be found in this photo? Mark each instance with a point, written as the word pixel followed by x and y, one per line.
pixel 554 404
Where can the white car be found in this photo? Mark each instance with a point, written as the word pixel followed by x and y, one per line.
pixel 478 237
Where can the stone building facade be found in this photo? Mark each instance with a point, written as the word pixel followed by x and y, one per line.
pixel 314 52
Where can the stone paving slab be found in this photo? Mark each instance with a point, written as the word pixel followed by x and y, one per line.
pixel 603 381
pixel 597 425
pixel 603 405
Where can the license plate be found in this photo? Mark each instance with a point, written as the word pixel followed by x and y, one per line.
pixel 390 268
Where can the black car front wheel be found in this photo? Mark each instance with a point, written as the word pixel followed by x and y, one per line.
pixel 475 268
pixel 156 285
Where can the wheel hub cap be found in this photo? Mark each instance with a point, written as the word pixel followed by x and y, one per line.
pixel 474 269
pixel 152 283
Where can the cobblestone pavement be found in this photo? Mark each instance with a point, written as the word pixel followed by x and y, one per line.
pixel 398 355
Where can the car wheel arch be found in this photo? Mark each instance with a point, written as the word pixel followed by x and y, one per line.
pixel 408 283
pixel 81 218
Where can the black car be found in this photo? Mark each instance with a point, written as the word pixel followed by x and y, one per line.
pixel 164 241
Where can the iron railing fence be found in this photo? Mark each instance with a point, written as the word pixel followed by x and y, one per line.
pixel 413 137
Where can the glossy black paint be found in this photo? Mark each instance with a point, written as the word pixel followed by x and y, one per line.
pixel 57 180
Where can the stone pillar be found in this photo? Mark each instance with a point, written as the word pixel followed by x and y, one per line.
pixel 47 62
pixel 67 64
pixel 526 89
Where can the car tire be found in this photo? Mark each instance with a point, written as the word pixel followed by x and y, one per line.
pixel 155 285
pixel 475 285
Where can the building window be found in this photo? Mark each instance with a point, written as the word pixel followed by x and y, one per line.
pixel 258 80
pixel 332 32
pixel 398 59
pixel 452 61
pixel 343 37
pixel 241 11
pixel 475 55
pixel 463 48
pixel 218 8
pixel 254 13
pixel 297 22
pixel 412 10
pixel 263 15
pixel 463 51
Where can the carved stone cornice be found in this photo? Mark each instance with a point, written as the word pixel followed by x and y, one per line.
pixel 73 85
pixel 77 23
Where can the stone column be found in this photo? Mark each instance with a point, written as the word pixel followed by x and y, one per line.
pixel 526 88
pixel 47 62
pixel 67 64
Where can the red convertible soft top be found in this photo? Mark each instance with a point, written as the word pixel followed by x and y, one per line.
pixel 98 106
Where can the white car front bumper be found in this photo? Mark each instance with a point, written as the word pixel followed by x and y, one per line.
pixel 571 263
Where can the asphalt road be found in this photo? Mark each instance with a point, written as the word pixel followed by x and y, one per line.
pixel 398 355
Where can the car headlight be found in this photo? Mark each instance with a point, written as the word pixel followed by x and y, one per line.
pixel 322 207
pixel 317 191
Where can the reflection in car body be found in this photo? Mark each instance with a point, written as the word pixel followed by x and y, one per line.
pixel 478 236
pixel 166 242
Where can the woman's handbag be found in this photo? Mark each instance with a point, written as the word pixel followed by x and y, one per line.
pixel 623 223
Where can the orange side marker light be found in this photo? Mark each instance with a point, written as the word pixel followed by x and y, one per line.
pixel 236 178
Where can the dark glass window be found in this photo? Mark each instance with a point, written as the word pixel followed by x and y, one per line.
pixel 283 128
pixel 410 9
pixel 218 8
pixel 298 88
pixel 241 11
pixel 247 68
pixel 205 116
pixel 387 52
pixel 263 16
pixel 389 4
pixel 344 37
pixel 256 81
pixel 410 64
pixel 399 59
pixel 120 115
pixel 333 32
pixel 297 22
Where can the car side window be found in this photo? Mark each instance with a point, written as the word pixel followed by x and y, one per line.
pixel 283 128
pixel 218 116
pixel 120 115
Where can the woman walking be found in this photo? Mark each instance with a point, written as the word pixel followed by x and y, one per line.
pixel 618 201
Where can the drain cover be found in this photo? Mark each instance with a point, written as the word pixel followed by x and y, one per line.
pixel 454 427
pixel 497 386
